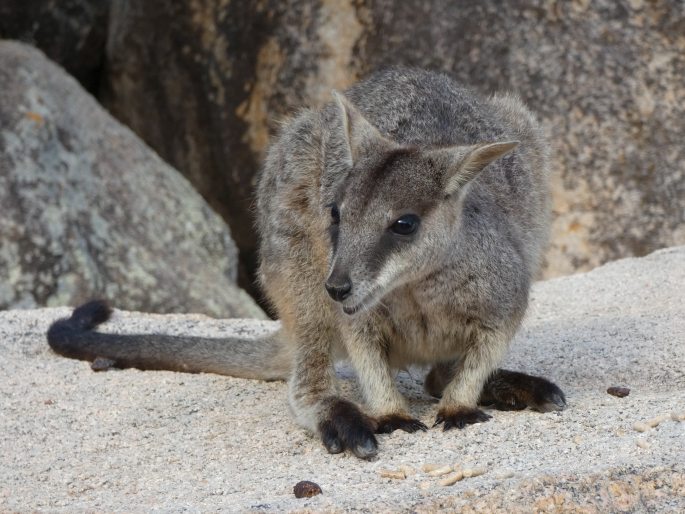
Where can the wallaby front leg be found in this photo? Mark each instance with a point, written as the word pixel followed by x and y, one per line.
pixel 366 349
pixel 317 406
pixel 484 352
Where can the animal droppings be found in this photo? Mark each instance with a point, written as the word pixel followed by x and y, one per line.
pixel 654 422
pixel 640 426
pixel 473 472
pixel 452 479
pixel 620 392
pixel 306 489
pixel 408 470
pixel 389 473
pixel 438 472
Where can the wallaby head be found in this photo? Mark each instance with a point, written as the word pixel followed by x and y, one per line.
pixel 396 212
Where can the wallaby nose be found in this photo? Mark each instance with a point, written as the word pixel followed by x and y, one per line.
pixel 340 290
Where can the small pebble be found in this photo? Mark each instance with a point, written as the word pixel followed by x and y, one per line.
pixel 424 486
pixel 659 419
pixel 306 489
pixel 452 479
pixel 642 444
pixel 389 473
pixel 440 471
pixel 640 426
pixel 504 474
pixel 408 470
pixel 620 392
pixel 473 472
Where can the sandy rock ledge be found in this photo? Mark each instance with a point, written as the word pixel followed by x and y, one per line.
pixel 75 440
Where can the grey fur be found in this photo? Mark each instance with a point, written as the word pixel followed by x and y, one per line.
pixel 452 294
pixel 404 140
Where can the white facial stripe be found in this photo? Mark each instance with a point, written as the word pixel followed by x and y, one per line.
pixel 387 272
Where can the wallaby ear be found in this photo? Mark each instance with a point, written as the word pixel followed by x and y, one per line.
pixel 357 130
pixel 464 163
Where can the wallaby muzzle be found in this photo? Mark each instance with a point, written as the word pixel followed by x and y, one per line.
pixel 339 285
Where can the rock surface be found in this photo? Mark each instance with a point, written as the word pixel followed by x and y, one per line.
pixel 72 33
pixel 605 76
pixel 74 440
pixel 88 210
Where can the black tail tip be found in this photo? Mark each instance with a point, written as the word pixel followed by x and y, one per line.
pixel 91 314
pixel 84 318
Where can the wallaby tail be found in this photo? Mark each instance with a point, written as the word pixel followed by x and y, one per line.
pixel 265 358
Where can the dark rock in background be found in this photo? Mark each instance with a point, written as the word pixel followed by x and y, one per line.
pixel 72 33
pixel 176 73
pixel 202 82
pixel 89 211
pixel 205 82
pixel 606 77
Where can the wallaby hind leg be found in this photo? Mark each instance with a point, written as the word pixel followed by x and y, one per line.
pixel 504 390
pixel 512 390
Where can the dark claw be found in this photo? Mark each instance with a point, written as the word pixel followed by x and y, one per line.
pixel 392 422
pixel 331 441
pixel 348 427
pixel 551 401
pixel 366 448
pixel 460 417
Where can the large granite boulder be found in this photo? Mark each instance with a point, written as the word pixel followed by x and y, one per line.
pixel 203 82
pixel 88 210
pixel 125 440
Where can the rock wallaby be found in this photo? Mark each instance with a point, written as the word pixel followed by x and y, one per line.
pixel 401 224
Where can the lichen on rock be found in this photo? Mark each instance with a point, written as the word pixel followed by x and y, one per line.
pixel 89 210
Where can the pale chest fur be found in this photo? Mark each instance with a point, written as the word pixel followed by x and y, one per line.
pixel 426 324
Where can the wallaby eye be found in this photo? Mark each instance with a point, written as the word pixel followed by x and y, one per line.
pixel 335 214
pixel 406 225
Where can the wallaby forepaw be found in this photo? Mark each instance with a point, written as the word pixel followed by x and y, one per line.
pixel 512 390
pixel 348 428
pixel 460 417
pixel 392 422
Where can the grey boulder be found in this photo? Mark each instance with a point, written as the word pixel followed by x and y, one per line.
pixel 89 211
